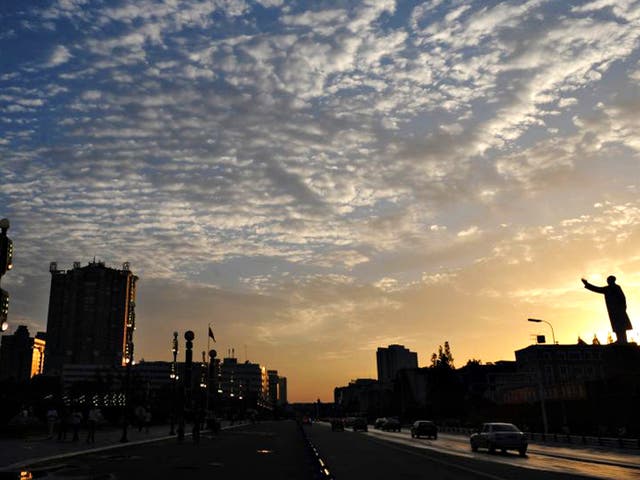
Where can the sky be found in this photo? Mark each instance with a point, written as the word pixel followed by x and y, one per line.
pixel 318 179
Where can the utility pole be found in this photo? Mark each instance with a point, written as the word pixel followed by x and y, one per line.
pixel 6 264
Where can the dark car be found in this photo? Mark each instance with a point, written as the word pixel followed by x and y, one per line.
pixel 360 423
pixel 424 428
pixel 337 425
pixel 499 436
pixel 391 425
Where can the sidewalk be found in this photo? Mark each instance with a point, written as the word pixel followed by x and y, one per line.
pixel 17 452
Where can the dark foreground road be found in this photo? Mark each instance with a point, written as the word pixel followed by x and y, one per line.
pixel 269 450
pixel 350 455
pixel 278 451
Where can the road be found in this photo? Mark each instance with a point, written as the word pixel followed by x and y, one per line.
pixel 396 453
pixel 264 450
pixel 278 450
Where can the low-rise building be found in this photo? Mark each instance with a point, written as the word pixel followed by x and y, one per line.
pixel 21 356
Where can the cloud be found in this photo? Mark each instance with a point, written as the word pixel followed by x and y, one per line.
pixel 59 56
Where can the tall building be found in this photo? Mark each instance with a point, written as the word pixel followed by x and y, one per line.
pixel 91 316
pixel 282 391
pixel 272 379
pixel 21 356
pixel 392 359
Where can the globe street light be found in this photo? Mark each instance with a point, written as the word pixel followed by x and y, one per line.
pixel 537 320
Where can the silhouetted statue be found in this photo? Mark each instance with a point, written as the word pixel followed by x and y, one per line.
pixel 616 307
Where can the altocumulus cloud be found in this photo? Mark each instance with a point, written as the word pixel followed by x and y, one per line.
pixel 59 56
pixel 332 164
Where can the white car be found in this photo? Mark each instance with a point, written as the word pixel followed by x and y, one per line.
pixel 499 436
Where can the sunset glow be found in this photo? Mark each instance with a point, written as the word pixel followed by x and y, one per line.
pixel 323 179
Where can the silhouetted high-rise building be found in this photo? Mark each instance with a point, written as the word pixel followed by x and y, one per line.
pixel 392 359
pixel 282 390
pixel 21 356
pixel 272 378
pixel 91 316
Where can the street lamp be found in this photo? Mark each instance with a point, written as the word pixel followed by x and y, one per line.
pixel 174 380
pixel 537 320
pixel 541 392
pixel 6 263
pixel 128 359
pixel 127 386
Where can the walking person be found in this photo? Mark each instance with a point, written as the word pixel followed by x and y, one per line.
pixel 52 419
pixel 197 421
pixel 76 420
pixel 147 419
pixel 92 422
pixel 140 414
pixel 63 424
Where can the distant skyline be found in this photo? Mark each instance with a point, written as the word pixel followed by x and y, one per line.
pixel 322 179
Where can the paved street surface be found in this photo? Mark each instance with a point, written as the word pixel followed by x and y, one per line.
pixel 278 450
pixel 445 455
pixel 371 456
pixel 18 451
pixel 264 450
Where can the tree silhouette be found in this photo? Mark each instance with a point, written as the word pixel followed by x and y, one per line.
pixel 444 358
pixel 445 395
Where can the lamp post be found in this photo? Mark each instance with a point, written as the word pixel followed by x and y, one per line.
pixel 6 263
pixel 211 382
pixel 174 380
pixel 127 381
pixel 128 358
pixel 537 320
pixel 545 422
pixel 185 389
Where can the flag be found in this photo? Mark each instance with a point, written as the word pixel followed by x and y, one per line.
pixel 211 336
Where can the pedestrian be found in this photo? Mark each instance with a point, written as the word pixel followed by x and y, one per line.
pixel 76 420
pixel 616 307
pixel 197 421
pixel 92 421
pixel 147 419
pixel 140 414
pixel 52 419
pixel 63 424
